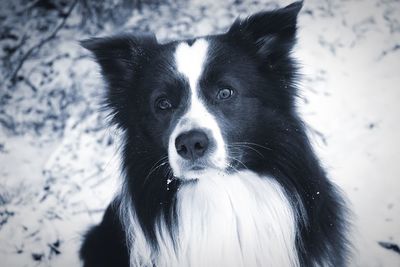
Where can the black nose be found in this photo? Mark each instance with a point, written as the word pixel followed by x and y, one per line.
pixel 192 145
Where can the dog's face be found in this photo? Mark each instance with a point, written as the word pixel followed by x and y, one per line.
pixel 207 104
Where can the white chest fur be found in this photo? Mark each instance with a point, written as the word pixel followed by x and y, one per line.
pixel 226 220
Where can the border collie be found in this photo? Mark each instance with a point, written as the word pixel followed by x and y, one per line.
pixel 218 170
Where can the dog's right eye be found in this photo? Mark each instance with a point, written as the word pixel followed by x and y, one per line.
pixel 163 104
pixel 224 93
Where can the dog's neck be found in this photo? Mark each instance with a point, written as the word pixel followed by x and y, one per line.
pixel 239 219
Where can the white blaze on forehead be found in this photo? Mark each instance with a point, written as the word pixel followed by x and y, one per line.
pixel 190 61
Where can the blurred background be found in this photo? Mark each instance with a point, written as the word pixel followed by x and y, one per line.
pixel 59 157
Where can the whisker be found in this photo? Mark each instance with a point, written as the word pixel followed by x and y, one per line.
pixel 161 162
pixel 237 160
pixel 252 144
pixel 251 148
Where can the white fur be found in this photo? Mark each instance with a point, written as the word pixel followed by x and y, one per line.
pixel 140 251
pixel 225 220
pixel 189 62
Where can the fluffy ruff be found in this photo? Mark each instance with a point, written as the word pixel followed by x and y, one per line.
pixel 223 220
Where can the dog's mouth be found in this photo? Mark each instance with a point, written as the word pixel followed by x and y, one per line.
pixel 197 168
pixel 198 171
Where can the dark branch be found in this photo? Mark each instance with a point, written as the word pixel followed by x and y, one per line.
pixel 390 246
pixel 38 46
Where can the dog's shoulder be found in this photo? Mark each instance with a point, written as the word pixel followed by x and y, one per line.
pixel 105 244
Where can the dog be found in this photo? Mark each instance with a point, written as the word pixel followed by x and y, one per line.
pixel 217 167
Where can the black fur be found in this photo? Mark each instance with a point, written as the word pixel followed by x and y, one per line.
pixel 105 244
pixel 254 58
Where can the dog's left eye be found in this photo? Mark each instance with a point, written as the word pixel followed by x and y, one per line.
pixel 224 93
pixel 163 104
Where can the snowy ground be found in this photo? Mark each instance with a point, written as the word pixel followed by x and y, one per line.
pixel 59 160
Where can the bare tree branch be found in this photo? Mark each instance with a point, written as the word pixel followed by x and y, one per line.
pixel 38 46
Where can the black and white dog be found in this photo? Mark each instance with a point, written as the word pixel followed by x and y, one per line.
pixel 218 169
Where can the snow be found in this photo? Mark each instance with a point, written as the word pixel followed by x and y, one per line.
pixel 59 161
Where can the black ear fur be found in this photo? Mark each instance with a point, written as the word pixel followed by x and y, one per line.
pixel 272 32
pixel 120 54
pixel 120 58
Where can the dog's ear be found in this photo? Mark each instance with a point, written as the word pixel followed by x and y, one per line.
pixel 272 32
pixel 119 56
pixel 121 59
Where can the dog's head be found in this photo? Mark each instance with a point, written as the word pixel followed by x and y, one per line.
pixel 215 103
